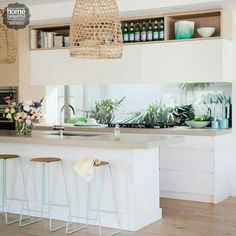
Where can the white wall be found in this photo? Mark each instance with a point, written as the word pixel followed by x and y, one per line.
pixel 64 10
pixel 234 110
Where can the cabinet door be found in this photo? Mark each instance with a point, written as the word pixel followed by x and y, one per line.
pixel 152 57
pixel 55 67
pixel 120 71
pixel 208 57
pixel 179 63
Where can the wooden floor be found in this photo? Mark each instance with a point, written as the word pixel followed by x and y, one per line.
pixel 180 218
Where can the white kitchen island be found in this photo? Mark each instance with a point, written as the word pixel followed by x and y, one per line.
pixel 134 159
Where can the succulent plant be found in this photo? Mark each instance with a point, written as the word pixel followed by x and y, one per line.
pixel 153 114
pixel 103 110
pixel 183 113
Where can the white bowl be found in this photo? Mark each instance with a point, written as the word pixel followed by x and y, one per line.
pixel 206 32
pixel 91 121
pixel 197 124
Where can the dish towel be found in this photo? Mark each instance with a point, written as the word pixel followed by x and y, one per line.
pixel 85 169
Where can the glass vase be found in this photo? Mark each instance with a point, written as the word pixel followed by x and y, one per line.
pixel 22 129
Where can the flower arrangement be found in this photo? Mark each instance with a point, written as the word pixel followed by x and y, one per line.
pixel 25 114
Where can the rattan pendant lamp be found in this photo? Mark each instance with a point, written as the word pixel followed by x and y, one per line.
pixel 7 44
pixel 95 30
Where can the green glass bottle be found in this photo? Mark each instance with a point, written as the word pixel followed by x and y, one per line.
pixel 155 31
pixel 137 33
pixel 131 32
pixel 150 32
pixel 144 32
pixel 125 33
pixel 161 31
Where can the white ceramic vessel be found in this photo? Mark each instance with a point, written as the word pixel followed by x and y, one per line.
pixel 197 124
pixel 206 32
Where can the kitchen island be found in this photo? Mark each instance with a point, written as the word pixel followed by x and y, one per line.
pixel 199 169
pixel 134 159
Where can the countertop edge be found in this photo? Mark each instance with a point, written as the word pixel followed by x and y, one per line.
pixel 168 131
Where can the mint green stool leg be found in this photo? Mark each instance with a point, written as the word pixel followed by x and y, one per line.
pixel 50 204
pixel 5 198
pixel 21 222
pixel 69 221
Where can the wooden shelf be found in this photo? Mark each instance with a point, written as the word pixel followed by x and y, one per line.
pixel 48 49
pixel 141 43
pixel 203 18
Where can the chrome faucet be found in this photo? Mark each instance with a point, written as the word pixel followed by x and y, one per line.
pixel 60 127
pixel 62 109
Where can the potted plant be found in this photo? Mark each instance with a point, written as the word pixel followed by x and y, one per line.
pixel 103 111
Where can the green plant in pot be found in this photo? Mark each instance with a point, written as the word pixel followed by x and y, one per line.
pixel 104 110
pixel 152 114
pixel 183 113
pixel 191 87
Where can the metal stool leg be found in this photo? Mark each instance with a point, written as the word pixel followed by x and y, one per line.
pixel 5 198
pixel 21 224
pixel 69 221
pixel 115 202
pixel 98 197
pixel 52 229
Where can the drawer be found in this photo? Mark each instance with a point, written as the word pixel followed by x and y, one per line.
pixel 186 159
pixel 187 182
pixel 195 142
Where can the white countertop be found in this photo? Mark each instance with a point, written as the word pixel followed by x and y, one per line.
pixel 102 140
pixel 169 131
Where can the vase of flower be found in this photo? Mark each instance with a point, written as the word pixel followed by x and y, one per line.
pixel 22 129
pixel 25 115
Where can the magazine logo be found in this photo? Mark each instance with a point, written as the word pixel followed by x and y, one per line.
pixel 16 16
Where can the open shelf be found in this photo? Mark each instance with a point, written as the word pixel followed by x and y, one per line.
pixel 201 19
pixel 212 18
pixel 49 37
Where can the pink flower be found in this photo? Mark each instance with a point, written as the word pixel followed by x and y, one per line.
pixel 23 115
pixel 28 122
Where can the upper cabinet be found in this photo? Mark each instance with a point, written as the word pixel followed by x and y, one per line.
pixel 181 62
pixel 165 61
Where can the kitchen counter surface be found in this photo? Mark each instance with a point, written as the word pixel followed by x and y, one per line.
pixel 101 140
pixel 169 131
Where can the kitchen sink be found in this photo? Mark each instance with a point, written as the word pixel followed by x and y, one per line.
pixel 76 134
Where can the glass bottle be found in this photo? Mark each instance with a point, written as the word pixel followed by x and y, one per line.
pixel 155 31
pixel 131 32
pixel 137 33
pixel 116 132
pixel 125 33
pixel 144 32
pixel 150 32
pixel 161 31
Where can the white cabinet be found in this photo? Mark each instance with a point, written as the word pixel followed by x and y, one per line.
pixel 179 62
pixel 152 59
pixel 54 67
pixel 198 169
pixel 172 62
pixel 208 57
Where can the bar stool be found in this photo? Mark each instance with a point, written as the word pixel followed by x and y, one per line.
pixel 97 178
pixel 5 198
pixel 46 163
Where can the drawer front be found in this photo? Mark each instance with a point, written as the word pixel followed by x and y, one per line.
pixel 186 182
pixel 195 142
pixel 187 160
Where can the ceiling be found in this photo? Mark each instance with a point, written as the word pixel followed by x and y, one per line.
pixel 182 3
pixel 32 2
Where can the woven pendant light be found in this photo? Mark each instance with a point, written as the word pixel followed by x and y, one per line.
pixel 95 30
pixel 7 44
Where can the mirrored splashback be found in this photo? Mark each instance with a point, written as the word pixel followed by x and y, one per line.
pixel 132 103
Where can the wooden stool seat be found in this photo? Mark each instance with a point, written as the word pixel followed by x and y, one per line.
pixel 8 156
pixel 46 159
pixel 101 163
